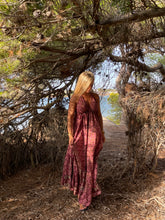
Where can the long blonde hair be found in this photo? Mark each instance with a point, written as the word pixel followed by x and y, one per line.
pixel 84 81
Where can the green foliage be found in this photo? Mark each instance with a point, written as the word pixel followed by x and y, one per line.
pixel 115 111
pixel 7 67
pixel 123 5
pixel 155 57
pixel 4 94
pixel 7 5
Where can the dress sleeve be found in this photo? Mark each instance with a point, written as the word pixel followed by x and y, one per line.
pixel 71 114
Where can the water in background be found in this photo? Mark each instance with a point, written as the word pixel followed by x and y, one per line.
pixel 104 105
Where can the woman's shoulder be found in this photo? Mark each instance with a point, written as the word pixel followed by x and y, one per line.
pixel 95 95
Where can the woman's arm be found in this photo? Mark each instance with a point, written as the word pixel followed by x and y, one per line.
pixel 71 114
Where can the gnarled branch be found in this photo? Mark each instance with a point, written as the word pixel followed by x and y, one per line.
pixel 142 66
pixel 136 17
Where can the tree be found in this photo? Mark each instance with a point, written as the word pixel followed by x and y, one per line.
pixel 45 45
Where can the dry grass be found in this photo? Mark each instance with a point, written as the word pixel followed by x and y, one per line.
pixel 145 113
pixel 37 194
pixel 44 141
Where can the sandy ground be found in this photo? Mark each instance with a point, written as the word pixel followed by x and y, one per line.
pixel 37 194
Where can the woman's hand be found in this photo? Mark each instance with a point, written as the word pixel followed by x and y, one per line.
pixel 70 139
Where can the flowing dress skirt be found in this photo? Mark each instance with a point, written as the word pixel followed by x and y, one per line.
pixel 80 164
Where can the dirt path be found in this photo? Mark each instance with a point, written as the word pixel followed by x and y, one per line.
pixel 37 194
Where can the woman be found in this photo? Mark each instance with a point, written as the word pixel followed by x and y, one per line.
pixel 86 137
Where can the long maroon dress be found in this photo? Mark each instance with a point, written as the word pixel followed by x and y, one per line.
pixel 80 165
